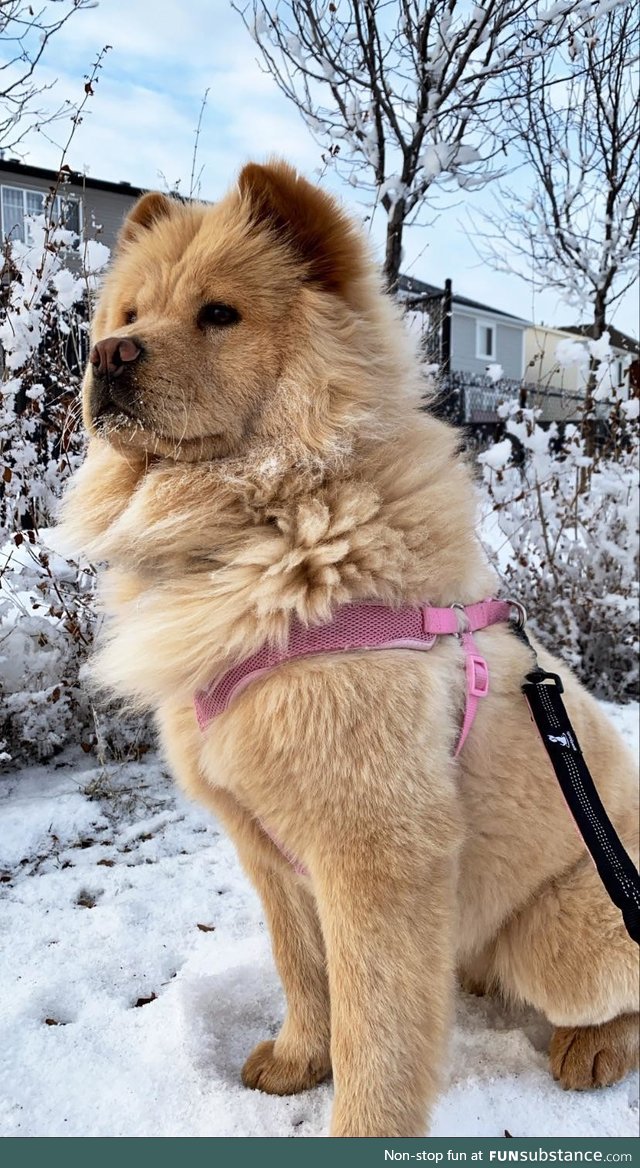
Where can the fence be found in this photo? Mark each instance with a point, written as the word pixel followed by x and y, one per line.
pixel 471 403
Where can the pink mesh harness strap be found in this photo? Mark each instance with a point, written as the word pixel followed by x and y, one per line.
pixel 358 627
pixel 366 626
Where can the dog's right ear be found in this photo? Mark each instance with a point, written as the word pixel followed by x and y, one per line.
pixel 308 219
pixel 147 211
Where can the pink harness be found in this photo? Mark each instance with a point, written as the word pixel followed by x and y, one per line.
pixel 365 626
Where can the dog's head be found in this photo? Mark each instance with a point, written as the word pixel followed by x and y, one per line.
pixel 212 316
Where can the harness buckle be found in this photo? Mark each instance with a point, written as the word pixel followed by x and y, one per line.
pixel 477 676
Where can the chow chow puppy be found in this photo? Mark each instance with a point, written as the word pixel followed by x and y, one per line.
pixel 257 453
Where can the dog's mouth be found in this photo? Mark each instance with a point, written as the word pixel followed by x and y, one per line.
pixel 113 413
pixel 109 398
pixel 126 430
pixel 120 426
pixel 129 426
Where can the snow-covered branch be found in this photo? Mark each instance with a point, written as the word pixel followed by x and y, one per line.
pixel 575 117
pixel 404 96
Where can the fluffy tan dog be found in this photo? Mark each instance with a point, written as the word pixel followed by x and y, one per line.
pixel 257 451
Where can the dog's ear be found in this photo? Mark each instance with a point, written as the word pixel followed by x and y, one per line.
pixel 309 220
pixel 147 211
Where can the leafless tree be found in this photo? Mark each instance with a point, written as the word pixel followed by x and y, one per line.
pixel 25 33
pixel 572 224
pixel 575 228
pixel 402 93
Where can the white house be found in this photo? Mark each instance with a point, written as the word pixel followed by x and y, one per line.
pixel 557 366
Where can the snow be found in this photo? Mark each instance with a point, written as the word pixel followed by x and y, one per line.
pixel 631 409
pixel 115 889
pixel 495 372
pixel 96 256
pixel 600 350
pixel 498 455
pixel 69 289
pixel 570 353
pixel 440 157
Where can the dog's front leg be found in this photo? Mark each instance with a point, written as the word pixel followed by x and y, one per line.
pixel 387 907
pixel 300 1056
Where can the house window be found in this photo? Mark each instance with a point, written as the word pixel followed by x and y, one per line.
pixel 13 213
pixel 16 204
pixel 485 340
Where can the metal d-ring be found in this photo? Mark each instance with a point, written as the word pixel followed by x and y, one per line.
pixel 457 607
pixel 521 618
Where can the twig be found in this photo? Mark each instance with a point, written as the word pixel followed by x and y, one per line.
pixel 193 188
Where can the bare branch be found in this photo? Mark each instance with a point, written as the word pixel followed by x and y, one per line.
pixel 578 225
pixel 194 180
pixel 25 33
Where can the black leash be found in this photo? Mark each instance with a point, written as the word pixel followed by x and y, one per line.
pixel 543 691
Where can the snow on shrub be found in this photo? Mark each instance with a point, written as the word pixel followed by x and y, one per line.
pixel 569 521
pixel 47 614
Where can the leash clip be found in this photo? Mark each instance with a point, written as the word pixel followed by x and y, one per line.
pixel 538 676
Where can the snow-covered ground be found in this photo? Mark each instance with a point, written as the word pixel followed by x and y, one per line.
pixel 136 975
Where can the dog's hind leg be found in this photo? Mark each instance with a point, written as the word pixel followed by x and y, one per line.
pixel 568 953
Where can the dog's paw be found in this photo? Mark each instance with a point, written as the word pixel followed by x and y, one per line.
pixel 594 1056
pixel 266 1070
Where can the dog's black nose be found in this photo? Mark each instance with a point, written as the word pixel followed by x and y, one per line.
pixel 111 356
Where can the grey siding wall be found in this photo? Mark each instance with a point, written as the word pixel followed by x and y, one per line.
pixel 103 214
pixel 508 345
pixel 510 350
pixel 463 345
pixel 100 209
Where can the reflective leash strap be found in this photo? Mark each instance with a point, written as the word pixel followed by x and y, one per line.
pixel 616 869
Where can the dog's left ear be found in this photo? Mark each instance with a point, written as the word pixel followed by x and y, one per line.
pixel 309 220
pixel 147 211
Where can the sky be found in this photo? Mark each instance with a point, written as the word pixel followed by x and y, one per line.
pixel 140 125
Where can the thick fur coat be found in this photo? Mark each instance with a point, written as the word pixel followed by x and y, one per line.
pixel 263 455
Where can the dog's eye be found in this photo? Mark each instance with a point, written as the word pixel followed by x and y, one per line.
pixel 218 315
pixel 130 316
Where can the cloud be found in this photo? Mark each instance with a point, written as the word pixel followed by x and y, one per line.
pixel 142 119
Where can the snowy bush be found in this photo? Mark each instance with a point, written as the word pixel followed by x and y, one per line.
pixel 46 603
pixel 569 527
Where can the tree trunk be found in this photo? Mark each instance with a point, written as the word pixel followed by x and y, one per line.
pixel 393 254
pixel 589 427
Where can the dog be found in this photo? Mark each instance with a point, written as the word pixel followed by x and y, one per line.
pixel 257 457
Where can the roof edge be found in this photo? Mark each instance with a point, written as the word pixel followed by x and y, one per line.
pixel 25 170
